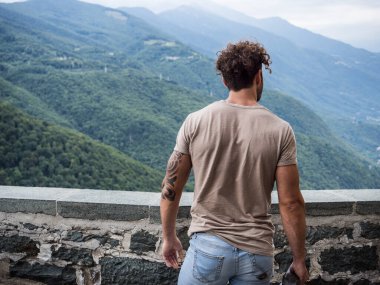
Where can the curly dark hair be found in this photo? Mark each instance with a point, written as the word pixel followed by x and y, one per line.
pixel 238 63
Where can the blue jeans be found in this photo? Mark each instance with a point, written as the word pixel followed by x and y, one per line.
pixel 211 260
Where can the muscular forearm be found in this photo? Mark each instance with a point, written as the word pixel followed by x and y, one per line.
pixel 292 209
pixel 293 219
pixel 169 210
pixel 177 173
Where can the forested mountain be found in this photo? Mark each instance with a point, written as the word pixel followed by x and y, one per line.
pixel 339 82
pixel 35 153
pixel 117 79
pixel 325 162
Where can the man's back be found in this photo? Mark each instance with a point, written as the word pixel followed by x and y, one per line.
pixel 235 151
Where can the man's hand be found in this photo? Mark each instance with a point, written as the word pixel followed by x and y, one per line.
pixel 172 252
pixel 300 270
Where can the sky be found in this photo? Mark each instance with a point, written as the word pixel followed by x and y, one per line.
pixel 356 22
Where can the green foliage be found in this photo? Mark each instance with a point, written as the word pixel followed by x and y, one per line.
pixel 23 99
pixel 324 165
pixel 324 161
pixel 132 112
pixel 35 153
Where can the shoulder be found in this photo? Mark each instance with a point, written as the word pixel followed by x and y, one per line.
pixel 204 111
pixel 275 119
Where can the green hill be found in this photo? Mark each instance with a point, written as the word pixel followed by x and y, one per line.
pixel 110 82
pixel 325 162
pixel 35 153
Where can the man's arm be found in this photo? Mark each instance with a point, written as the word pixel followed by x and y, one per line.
pixel 292 210
pixel 177 173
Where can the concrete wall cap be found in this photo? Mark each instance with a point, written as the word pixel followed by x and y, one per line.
pixel 69 198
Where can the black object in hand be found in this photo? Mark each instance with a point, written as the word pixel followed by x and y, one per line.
pixel 290 278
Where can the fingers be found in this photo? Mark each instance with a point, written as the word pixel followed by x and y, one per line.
pixel 173 253
pixel 171 260
pixel 176 260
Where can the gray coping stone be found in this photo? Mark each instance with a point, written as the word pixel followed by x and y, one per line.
pixel 102 211
pixel 106 205
pixel 15 199
pixel 14 205
pixel 368 208
pixel 125 205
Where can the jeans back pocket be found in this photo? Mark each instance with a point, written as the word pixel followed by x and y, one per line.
pixel 207 267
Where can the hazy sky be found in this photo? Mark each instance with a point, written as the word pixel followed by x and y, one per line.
pixel 356 22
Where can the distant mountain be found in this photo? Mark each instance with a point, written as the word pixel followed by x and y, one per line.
pixel 339 82
pixel 128 85
pixel 35 153
pixel 108 36
pixel 363 60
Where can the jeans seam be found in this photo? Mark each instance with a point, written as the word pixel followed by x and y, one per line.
pixel 254 263
pixel 236 261
pixel 218 268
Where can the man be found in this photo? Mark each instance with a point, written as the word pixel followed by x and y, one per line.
pixel 237 149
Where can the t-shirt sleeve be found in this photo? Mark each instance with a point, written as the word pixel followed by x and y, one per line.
pixel 288 152
pixel 182 142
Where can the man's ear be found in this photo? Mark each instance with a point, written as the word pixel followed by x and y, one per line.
pixel 258 77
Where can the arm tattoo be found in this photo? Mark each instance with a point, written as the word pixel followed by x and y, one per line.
pixel 168 192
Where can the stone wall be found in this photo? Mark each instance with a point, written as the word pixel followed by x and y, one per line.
pixel 72 236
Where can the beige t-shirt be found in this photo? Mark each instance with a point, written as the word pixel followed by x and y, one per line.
pixel 235 151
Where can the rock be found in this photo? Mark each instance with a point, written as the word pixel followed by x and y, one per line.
pixel 46 273
pixel 279 238
pixel 183 237
pixel 30 226
pixel 318 233
pixel 74 236
pixel 79 237
pixel 143 241
pixel 105 239
pixel 370 230
pixel 354 259
pixel 75 256
pixel 20 244
pixel 284 259
pixel 125 270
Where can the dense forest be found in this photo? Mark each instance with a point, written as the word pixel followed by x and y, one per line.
pixel 94 101
pixel 35 153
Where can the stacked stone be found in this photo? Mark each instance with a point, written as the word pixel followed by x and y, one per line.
pixel 120 243
pixel 88 253
pixel 347 254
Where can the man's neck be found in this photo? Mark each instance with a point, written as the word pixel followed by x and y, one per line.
pixel 244 97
